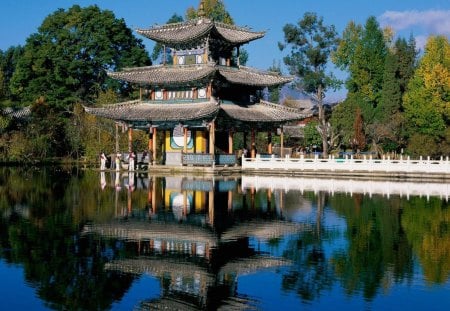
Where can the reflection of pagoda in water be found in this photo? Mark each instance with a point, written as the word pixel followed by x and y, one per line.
pixel 196 239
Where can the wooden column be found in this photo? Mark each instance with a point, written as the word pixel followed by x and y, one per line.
pixel 230 141
pixel 130 139
pixel 150 139
pixel 185 203
pixel 212 130
pixel 253 147
pixel 140 93
pixel 117 137
pixel 154 146
pixel 269 142
pixel 238 56
pixel 185 130
pixel 281 142
pixel 245 139
pixel 209 90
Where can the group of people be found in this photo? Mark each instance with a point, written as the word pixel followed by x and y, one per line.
pixel 117 161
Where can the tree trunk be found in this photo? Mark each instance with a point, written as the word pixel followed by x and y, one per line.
pixel 323 123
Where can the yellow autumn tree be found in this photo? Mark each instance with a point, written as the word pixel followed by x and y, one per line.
pixel 427 99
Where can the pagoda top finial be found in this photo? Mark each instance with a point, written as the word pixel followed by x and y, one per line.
pixel 201 9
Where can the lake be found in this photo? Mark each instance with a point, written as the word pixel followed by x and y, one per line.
pixel 85 240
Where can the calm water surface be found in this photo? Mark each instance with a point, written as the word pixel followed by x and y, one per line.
pixel 81 240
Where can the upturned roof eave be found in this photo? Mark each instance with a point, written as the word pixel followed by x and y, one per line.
pixel 154 112
pixel 165 75
pixel 197 29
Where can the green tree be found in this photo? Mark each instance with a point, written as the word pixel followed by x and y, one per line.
pixel 213 9
pixel 427 99
pixel 8 62
pixel 391 96
pixel 274 91
pixel 388 126
pixel 362 52
pixel 312 136
pixel 311 43
pixel 67 59
pixel 407 60
pixel 359 138
pixel 2 84
pixel 342 118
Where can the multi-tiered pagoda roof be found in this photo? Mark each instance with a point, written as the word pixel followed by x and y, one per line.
pixel 200 88
pixel 208 40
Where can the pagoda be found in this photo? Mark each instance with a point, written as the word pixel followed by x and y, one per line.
pixel 202 97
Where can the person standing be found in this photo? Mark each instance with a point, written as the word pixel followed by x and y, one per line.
pixel 118 155
pixel 102 161
pixel 131 158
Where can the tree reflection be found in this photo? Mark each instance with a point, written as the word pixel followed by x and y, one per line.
pixel 44 213
pixel 379 252
pixel 311 273
pixel 427 226
pixel 40 234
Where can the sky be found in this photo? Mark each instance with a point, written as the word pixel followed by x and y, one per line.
pixel 420 18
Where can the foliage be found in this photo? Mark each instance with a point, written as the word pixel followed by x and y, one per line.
pixel 422 145
pixel 362 52
pixel 342 119
pixel 213 9
pixel 311 43
pixel 274 91
pixel 391 96
pixel 379 71
pixel 8 62
pixel 67 59
pixel 359 137
pixel 427 99
pixel 312 136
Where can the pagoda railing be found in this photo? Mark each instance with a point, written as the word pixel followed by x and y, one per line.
pixel 206 159
pixel 203 159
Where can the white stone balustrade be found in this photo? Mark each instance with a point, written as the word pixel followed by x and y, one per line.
pixel 366 164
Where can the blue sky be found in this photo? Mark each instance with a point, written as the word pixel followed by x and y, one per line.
pixel 20 18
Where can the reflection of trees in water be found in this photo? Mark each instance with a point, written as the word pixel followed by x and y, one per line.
pixel 45 210
pixel 66 270
pixel 311 272
pixel 427 227
pixel 379 252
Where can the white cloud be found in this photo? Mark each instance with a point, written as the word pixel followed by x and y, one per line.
pixel 420 23
pixel 432 21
